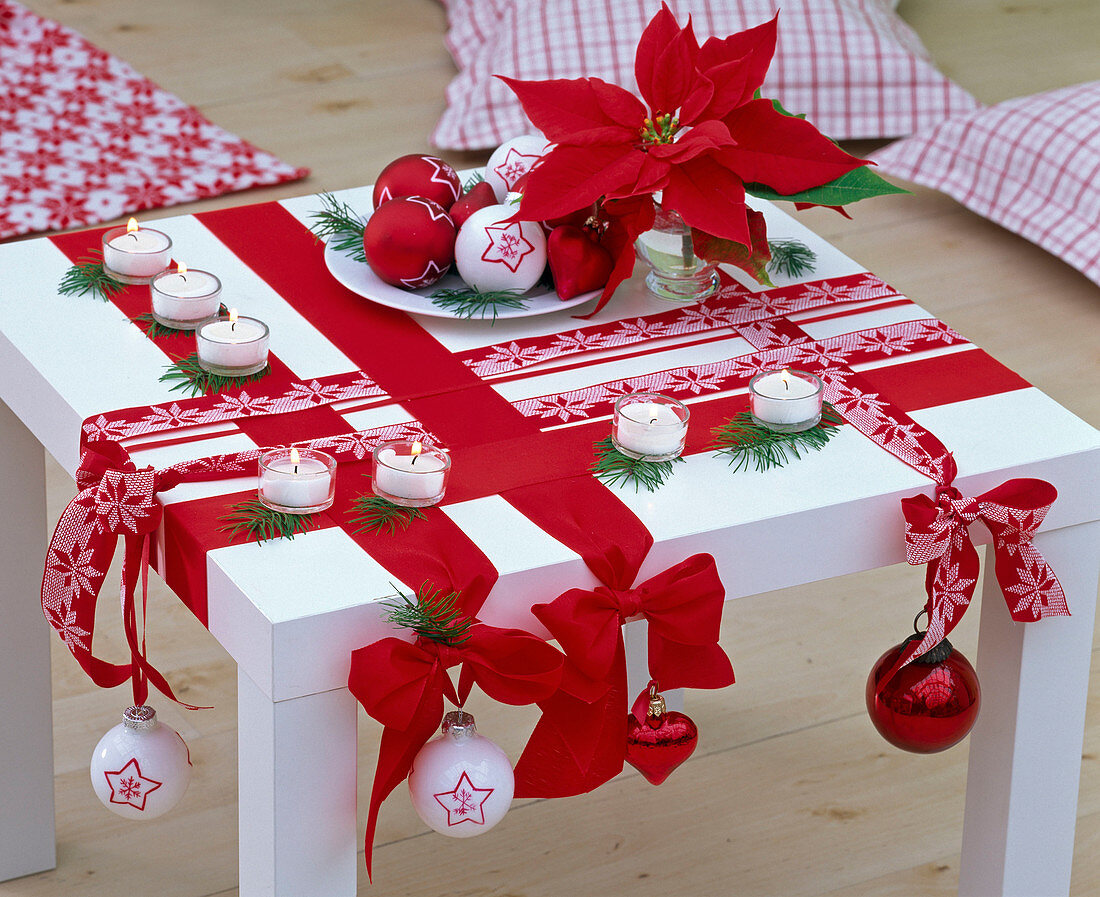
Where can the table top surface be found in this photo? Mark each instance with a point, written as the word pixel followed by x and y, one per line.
pixel 67 359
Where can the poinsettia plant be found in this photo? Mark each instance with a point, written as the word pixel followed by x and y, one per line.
pixel 702 139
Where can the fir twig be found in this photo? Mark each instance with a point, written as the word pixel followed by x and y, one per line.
pixel 89 276
pixel 747 443
pixel 613 467
pixel 153 328
pixel 431 615
pixel 338 225
pixel 792 258
pixel 190 377
pixel 376 514
pixel 472 181
pixel 470 303
pixel 262 523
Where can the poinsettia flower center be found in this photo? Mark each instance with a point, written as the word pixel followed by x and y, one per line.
pixel 661 128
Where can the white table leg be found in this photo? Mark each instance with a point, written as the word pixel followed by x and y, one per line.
pixel 297 793
pixel 26 718
pixel 1025 750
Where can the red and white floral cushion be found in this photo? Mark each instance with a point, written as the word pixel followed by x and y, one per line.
pixel 1030 164
pixel 852 66
pixel 84 138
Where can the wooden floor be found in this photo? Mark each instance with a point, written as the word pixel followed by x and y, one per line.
pixel 791 792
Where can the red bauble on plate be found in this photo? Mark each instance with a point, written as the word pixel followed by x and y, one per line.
pixel 409 242
pixel 579 264
pixel 418 175
pixel 477 197
pixel 930 704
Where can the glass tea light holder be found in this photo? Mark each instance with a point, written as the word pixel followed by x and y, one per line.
pixel 134 254
pixel 185 299
pixel 232 347
pixel 409 473
pixel 297 481
pixel 649 426
pixel 786 401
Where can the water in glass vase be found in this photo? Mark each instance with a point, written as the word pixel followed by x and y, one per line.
pixel 676 272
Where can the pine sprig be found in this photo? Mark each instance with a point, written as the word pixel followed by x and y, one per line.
pixel 89 276
pixel 431 615
pixel 472 181
pixel 470 303
pixel 190 377
pixel 746 443
pixel 613 467
pixel 262 523
pixel 792 258
pixel 339 226
pixel 375 514
pixel 153 328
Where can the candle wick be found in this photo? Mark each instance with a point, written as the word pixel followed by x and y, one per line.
pixel 132 233
pixel 295 468
pixel 232 326
pixel 413 460
pixel 653 420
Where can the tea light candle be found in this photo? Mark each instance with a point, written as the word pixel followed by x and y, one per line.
pixel 409 473
pixel 785 401
pixel 184 299
pixel 650 426
pixel 233 346
pixel 297 481
pixel 133 254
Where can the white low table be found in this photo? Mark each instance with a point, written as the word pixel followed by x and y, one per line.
pixel 300 839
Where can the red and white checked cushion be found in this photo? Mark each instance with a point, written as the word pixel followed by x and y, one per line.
pixel 1031 165
pixel 852 66
pixel 84 138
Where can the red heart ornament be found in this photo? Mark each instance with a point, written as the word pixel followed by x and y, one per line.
pixel 577 263
pixel 658 745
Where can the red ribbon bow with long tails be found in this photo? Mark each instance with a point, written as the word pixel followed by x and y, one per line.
pixel 402 685
pixel 937 534
pixel 115 499
pixel 580 740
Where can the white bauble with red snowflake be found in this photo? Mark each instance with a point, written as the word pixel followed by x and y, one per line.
pixel 141 768
pixel 494 253
pixel 461 783
pixel 512 160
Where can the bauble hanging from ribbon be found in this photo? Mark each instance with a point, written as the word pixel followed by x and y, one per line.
pixel 658 740
pixel 461 783
pixel 928 705
pixel 141 768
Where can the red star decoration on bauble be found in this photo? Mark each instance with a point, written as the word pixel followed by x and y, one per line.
pixel 514 166
pixel 464 803
pixel 507 245
pixel 129 786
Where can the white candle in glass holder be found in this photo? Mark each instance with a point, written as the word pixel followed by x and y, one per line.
pixel 786 401
pixel 648 425
pixel 183 299
pixel 134 254
pixel 233 346
pixel 297 482
pixel 409 473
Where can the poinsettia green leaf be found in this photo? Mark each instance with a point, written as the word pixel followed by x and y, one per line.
pixel 859 183
pixel 779 108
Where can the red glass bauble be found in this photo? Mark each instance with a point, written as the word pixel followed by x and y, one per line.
pixel 418 175
pixel 579 264
pixel 478 197
pixel 658 740
pixel 930 704
pixel 409 242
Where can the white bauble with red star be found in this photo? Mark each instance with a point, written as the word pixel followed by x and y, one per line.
pixel 140 768
pixel 512 160
pixel 409 242
pixel 461 783
pixel 418 175
pixel 493 253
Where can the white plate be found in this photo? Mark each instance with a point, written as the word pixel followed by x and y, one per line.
pixel 359 278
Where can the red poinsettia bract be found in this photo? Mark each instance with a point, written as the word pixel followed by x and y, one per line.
pixel 704 135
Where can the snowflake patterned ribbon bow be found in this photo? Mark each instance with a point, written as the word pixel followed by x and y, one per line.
pixel 937 534
pixel 115 500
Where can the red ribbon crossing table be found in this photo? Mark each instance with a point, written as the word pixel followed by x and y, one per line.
pixel 520 405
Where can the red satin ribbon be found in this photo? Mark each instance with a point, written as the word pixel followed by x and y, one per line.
pixel 580 739
pixel 937 534
pixel 115 499
pixel 402 685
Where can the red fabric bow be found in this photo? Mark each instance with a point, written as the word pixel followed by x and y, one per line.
pixel 115 499
pixel 937 534
pixel 580 739
pixel 402 685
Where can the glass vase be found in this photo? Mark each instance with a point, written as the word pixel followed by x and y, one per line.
pixel 675 273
